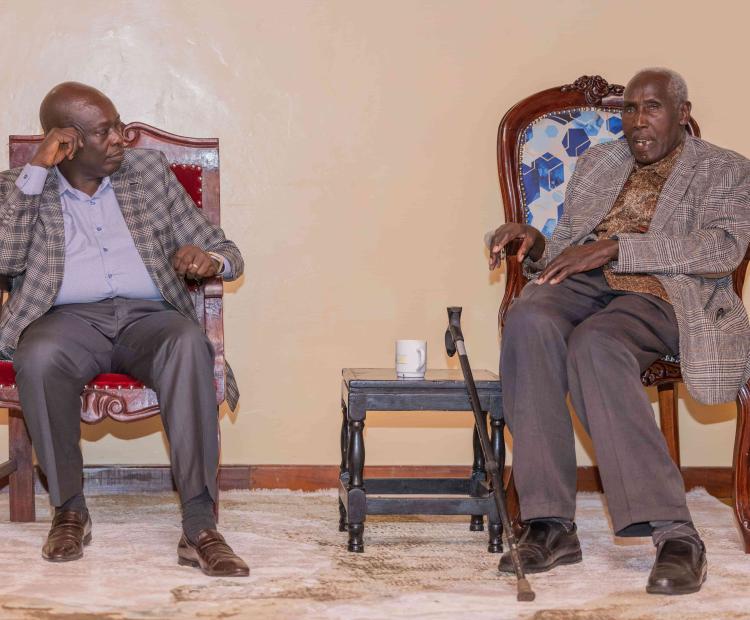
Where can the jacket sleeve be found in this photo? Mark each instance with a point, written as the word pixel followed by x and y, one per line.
pixel 191 227
pixel 18 215
pixel 714 249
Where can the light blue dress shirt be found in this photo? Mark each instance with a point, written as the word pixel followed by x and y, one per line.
pixel 101 260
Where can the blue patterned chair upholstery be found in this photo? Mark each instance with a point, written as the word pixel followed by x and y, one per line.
pixel 539 141
pixel 550 147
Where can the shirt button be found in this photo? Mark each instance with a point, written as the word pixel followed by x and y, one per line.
pixel 106 249
pixel 109 275
pixel 99 228
pixel 92 202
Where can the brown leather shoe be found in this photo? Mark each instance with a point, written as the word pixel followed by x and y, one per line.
pixel 212 555
pixel 69 533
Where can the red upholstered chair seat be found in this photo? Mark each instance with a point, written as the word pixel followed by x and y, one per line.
pixel 7 374
pixel 107 381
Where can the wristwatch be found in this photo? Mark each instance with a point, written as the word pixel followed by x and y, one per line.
pixel 220 262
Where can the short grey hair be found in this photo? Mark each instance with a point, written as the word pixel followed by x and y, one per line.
pixel 677 86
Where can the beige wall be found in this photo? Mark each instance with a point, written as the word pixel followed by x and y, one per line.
pixel 358 174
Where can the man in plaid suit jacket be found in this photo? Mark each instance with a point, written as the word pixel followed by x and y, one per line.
pixel 639 266
pixel 98 241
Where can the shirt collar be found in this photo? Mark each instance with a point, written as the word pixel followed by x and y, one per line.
pixel 63 186
pixel 664 166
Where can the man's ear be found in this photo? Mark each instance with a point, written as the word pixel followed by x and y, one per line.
pixel 685 109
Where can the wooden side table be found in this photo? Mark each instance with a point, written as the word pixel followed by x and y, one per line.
pixel 378 389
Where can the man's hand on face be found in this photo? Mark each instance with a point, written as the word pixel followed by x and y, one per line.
pixel 532 242
pixel 58 144
pixel 579 258
pixel 194 263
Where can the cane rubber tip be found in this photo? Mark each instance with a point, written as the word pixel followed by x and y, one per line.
pixel 525 593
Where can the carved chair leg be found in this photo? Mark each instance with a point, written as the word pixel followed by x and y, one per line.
pixel 478 474
pixel 668 419
pixel 343 468
pixel 22 480
pixel 741 466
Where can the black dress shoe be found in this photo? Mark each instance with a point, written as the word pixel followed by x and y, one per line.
pixel 542 546
pixel 69 533
pixel 212 555
pixel 679 568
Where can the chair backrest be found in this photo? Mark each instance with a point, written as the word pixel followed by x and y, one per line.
pixel 538 143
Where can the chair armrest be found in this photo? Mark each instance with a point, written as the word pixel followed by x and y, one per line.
pixel 212 312
pixel 213 287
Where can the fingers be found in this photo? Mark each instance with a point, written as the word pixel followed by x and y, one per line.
pixel 182 259
pixel 192 262
pixel 502 237
pixel 58 144
pixel 75 142
pixel 526 245
pixel 202 267
pixel 556 271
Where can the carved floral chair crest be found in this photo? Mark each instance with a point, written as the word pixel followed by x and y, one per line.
pixel 195 162
pixel 539 141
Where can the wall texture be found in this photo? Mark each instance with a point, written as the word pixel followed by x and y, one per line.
pixel 358 175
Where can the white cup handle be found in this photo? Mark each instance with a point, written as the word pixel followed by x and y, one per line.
pixel 420 354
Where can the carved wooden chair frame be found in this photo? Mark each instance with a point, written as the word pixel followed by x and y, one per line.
pixel 195 162
pixel 596 92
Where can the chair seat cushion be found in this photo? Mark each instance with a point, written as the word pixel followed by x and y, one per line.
pixel 111 381
pixel 7 374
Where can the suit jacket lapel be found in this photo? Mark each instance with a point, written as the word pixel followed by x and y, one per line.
pixel 50 212
pixel 676 186
pixel 611 181
pixel 128 189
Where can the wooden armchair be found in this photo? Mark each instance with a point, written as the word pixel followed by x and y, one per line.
pixel 195 162
pixel 538 143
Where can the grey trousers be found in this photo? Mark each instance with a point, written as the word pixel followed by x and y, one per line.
pixel 582 338
pixel 59 353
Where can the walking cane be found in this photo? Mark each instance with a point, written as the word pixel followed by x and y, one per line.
pixel 454 341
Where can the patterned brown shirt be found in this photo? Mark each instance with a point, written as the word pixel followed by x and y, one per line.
pixel 632 213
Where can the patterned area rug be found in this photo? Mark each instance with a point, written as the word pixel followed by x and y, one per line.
pixel 412 568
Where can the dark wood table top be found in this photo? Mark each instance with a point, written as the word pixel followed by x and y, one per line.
pixel 362 378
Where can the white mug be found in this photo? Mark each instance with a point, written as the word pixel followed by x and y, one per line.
pixel 411 358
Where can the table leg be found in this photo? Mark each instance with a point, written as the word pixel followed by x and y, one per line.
pixel 343 469
pixel 356 490
pixel 495 526
pixel 478 474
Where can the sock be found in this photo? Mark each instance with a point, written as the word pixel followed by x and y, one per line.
pixel 77 503
pixel 197 515
pixel 664 530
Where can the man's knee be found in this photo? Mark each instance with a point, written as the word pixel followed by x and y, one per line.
pixel 593 340
pixel 186 337
pixel 526 318
pixel 39 357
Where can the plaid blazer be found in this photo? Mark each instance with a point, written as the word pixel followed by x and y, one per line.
pixel 698 236
pixel 161 218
